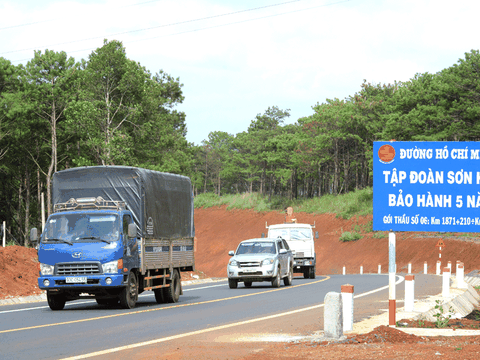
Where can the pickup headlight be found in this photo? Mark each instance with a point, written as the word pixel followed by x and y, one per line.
pixel 267 262
pixel 233 263
pixel 46 269
pixel 110 267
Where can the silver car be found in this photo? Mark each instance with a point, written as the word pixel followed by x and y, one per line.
pixel 260 260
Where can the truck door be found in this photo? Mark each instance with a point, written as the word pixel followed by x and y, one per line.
pixel 130 251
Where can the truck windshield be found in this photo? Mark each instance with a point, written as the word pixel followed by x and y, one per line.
pixel 82 227
pixel 256 248
pixel 291 234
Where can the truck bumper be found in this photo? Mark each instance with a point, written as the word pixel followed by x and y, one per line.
pixel 303 262
pixel 50 282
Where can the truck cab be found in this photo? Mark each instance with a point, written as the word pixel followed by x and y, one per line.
pixel 88 246
pixel 302 243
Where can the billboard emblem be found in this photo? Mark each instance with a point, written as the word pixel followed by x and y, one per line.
pixel 386 154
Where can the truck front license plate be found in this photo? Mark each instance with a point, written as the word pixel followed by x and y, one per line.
pixel 76 280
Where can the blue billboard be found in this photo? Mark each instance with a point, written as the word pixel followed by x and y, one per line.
pixel 426 186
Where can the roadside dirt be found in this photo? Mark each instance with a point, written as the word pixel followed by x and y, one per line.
pixel 219 230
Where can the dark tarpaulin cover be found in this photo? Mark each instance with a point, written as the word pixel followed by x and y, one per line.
pixel 161 203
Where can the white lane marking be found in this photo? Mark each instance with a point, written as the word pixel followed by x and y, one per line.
pixel 93 301
pixel 203 331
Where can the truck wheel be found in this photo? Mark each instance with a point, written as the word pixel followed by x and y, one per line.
pixel 56 302
pixel 129 294
pixel 159 295
pixel 287 280
pixel 172 293
pixel 232 283
pixel 306 273
pixel 312 273
pixel 247 283
pixel 276 279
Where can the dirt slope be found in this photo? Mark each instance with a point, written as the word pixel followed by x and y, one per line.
pixel 219 230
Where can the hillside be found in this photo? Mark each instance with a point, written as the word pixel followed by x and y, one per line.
pixel 219 230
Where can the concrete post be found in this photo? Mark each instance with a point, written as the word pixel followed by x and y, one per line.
pixel 344 272
pixel 425 267
pixel 379 268
pixel 347 300
pixel 449 265
pixel 361 269
pixel 409 268
pixel 439 263
pixel 333 315
pixel 458 262
pixel 446 282
pixel 460 277
pixel 409 292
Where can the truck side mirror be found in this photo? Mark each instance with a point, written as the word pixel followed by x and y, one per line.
pixel 132 230
pixel 34 235
pixel 263 235
pixel 316 234
pixel 231 253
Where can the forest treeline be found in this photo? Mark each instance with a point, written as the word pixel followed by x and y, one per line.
pixel 57 113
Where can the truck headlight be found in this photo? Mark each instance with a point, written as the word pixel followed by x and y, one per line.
pixel 267 262
pixel 110 267
pixel 46 269
pixel 233 263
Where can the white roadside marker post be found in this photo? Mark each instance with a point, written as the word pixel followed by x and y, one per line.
pixel 446 282
pixel 347 299
pixel 344 272
pixel 379 268
pixel 439 264
pixel 409 292
pixel 409 268
pixel 425 267
pixel 460 276
pixel 361 269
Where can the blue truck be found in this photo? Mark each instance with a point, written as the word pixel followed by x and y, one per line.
pixel 115 232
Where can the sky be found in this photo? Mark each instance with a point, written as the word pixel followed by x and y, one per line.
pixel 236 59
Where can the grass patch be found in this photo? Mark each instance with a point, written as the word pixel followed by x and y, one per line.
pixel 350 236
pixel 356 203
pixel 380 234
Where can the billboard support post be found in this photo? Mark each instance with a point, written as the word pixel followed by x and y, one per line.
pixel 391 279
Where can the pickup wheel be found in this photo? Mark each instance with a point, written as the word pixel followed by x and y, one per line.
pixel 276 279
pixel 287 280
pixel 172 293
pixel 129 294
pixel 232 283
pixel 312 272
pixel 247 283
pixel 56 302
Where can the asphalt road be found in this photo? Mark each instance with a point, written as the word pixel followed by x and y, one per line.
pixel 33 331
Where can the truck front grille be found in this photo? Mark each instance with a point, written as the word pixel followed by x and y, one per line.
pixel 78 268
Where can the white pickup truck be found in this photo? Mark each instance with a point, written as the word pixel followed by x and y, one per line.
pixel 299 238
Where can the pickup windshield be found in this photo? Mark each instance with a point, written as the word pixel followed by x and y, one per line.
pixel 291 234
pixel 256 248
pixel 81 227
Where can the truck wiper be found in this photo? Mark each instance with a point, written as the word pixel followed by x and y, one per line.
pixel 93 238
pixel 62 240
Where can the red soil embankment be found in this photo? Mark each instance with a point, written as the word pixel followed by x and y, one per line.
pixel 219 230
